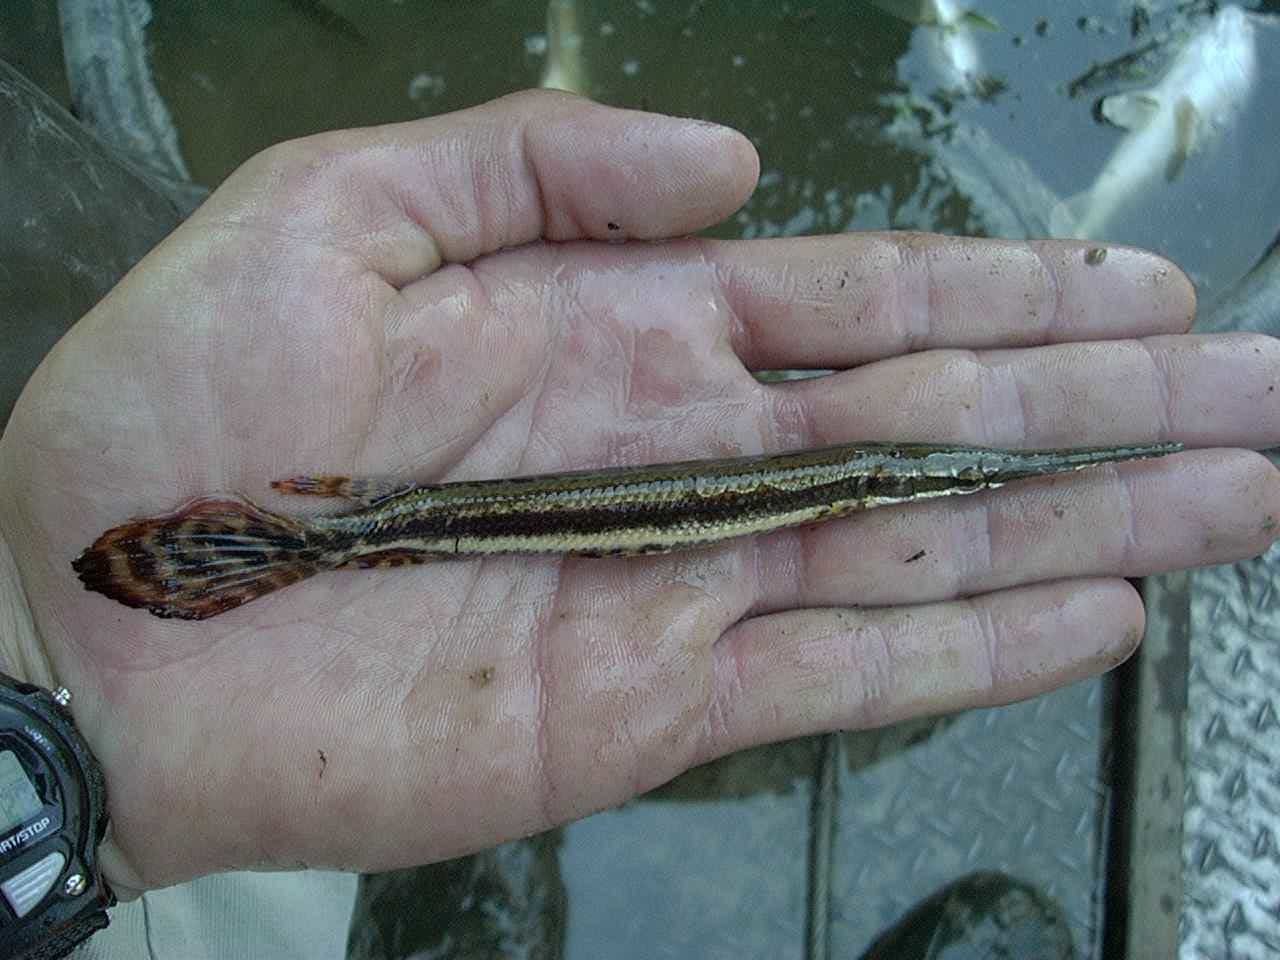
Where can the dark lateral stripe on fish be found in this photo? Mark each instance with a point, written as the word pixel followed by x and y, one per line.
pixel 214 554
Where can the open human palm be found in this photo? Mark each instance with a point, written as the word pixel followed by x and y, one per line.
pixel 370 303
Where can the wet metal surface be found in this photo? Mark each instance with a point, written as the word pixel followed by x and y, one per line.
pixel 1145 893
pixel 1018 789
pixel 1231 839
pixel 504 902
pixel 822 825
pixel 1231 817
pixel 718 877
pixel 982 916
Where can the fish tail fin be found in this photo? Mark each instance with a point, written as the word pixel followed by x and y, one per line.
pixel 209 556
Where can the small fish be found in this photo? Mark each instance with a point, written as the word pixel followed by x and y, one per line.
pixel 564 69
pixel 953 43
pixel 113 93
pixel 214 554
pixel 1252 304
pixel 1197 98
pixel 1005 196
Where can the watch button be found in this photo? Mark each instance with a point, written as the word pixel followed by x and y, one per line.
pixel 24 890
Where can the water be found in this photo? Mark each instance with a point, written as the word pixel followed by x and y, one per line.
pixel 815 86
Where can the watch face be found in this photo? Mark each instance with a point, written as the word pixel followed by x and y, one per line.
pixel 52 819
pixel 19 801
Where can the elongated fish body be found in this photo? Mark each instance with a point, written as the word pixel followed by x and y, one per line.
pixel 1200 94
pixel 215 554
pixel 1253 304
pixel 956 48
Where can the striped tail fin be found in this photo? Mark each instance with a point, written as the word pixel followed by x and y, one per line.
pixel 209 556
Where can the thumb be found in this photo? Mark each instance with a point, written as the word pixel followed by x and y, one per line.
pixel 405 198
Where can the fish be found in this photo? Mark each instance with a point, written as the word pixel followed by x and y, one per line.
pixel 1252 304
pixel 1006 198
pixel 113 92
pixel 215 553
pixel 953 43
pixel 1199 97
pixel 564 69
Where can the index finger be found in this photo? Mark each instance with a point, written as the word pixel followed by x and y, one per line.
pixel 840 301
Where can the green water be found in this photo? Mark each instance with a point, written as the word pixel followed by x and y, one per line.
pixel 815 85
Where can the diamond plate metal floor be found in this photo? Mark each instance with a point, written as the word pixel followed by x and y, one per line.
pixel 1017 789
pixel 1231 822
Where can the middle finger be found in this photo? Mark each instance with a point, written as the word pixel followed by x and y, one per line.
pixel 1128 520
pixel 1191 509
pixel 1202 390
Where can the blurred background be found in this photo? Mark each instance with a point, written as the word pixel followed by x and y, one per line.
pixel 1150 122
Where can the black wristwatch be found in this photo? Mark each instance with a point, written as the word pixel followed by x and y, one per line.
pixel 53 815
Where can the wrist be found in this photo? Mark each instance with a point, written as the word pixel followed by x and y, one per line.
pixel 23 657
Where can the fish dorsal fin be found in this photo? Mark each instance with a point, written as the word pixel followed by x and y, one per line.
pixel 1132 111
pixel 1186 123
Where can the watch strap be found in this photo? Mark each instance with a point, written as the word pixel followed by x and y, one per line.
pixel 60 942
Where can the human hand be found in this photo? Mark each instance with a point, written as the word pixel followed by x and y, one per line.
pixel 360 303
